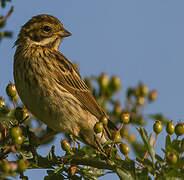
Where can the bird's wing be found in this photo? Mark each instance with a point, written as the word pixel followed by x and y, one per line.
pixel 70 79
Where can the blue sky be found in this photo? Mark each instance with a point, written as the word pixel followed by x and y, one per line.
pixel 139 40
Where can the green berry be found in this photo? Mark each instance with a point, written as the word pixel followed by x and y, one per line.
pixel 65 145
pixel 2 102
pixel 124 148
pixel 152 95
pixel 11 90
pixel 22 165
pixel 98 128
pixel 125 117
pixel 140 100
pixel 104 120
pixel 141 90
pixel 6 167
pixel 157 127
pixel 171 158
pixel 115 83
pixel 117 137
pixel 19 140
pixel 117 108
pixel 3 107
pixel 179 129
pixel 16 132
pixel 103 81
pixel 170 127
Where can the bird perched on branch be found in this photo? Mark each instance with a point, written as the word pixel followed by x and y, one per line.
pixel 48 83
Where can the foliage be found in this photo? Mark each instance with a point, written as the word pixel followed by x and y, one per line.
pixel 20 138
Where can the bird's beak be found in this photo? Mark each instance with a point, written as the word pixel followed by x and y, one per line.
pixel 64 33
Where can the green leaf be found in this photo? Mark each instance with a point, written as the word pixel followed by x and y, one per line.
pixel 90 172
pixel 27 154
pixel 123 174
pixel 149 142
pixel 53 176
pixel 58 170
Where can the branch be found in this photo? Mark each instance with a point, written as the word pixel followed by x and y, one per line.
pixel 91 162
pixel 6 17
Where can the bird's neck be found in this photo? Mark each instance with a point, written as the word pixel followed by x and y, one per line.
pixel 45 43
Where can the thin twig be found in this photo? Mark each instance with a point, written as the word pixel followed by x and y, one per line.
pixel 6 17
pixel 116 133
pixel 91 162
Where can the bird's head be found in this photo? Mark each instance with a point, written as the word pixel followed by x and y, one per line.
pixel 43 30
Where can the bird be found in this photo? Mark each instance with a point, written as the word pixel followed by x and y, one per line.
pixel 49 85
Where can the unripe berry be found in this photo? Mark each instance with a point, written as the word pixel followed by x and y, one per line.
pixel 103 81
pixel 2 102
pixel 98 127
pixel 22 165
pixel 152 95
pixel 179 129
pixel 11 90
pixel 104 120
pixel 117 108
pixel 141 90
pixel 157 127
pixel 117 137
pixel 6 168
pixel 16 132
pixel 115 83
pixel 171 158
pixel 65 145
pixel 124 148
pixel 3 107
pixel 19 140
pixel 125 117
pixel 170 127
pixel 140 100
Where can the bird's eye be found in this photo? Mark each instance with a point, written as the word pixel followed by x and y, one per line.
pixel 46 28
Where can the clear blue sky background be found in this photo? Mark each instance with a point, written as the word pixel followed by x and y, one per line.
pixel 135 39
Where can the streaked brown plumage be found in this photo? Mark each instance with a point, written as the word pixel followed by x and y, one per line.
pixel 48 83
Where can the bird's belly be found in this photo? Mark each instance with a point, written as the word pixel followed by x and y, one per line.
pixel 57 108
